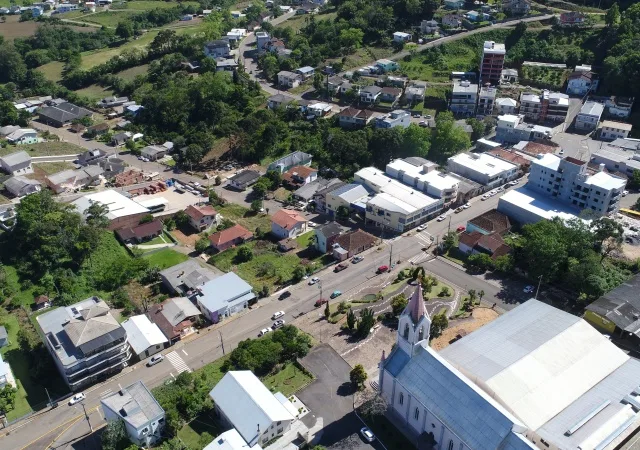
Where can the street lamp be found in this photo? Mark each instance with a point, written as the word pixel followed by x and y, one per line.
pixel 538 288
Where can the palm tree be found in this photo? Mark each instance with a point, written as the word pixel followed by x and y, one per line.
pixel 480 295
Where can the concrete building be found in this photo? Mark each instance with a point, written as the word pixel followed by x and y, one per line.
pixel 185 278
pixel 492 62
pixel 20 186
pixel 401 37
pixel 123 212
pixel 506 105
pixel 486 101
pixel 73 180
pixel 292 159
pixel 464 98
pixel 397 118
pixel 508 76
pixel 231 440
pixel 617 160
pixel 352 196
pixel 262 38
pixel 86 342
pixel 511 129
pixel 141 413
pixel 567 181
pixel 245 404
pixel 550 106
pixel 610 130
pixel 176 317
pixel 278 100
pixel 395 205
pixel 23 136
pixel 425 178
pixel 429 27
pixel 354 118
pixel 145 337
pixel 369 94
pixel 6 375
pixel 589 116
pixel 201 218
pixel 482 168
pixel 287 80
pixel 288 224
pixel 517 7
pixel 580 83
pixel 224 296
pixel 18 163
pixel 414 93
pixel 326 236
pixel 242 180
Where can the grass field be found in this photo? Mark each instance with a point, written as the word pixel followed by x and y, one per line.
pixel 543 77
pixel 288 381
pixel 54 167
pixel 52 71
pixel 45 149
pixel 147 5
pixel 12 29
pixel 298 22
pixel 95 92
pixel 246 218
pixel 130 74
pixel 108 18
pixel 165 258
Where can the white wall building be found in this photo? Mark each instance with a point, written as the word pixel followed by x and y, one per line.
pixel 617 159
pixel 424 178
pixel 144 336
pixel 486 101
pixel 506 105
pixel 482 168
pixel 610 130
pixel 397 118
pixel 224 296
pixel 464 98
pixel 589 116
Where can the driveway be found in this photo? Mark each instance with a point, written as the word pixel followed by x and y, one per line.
pixel 330 396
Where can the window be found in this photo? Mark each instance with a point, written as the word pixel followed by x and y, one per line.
pixel 406 331
pixel 450 446
pixel 280 430
pixel 416 414
pixel 421 334
pixel 401 399
pixel 278 422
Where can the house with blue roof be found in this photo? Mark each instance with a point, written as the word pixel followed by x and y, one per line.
pixel 224 296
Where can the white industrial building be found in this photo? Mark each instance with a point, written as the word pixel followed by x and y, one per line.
pixel 424 177
pixel 482 168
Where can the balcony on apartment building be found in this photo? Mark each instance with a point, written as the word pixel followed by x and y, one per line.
pixel 106 357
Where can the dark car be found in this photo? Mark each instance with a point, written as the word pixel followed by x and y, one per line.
pixel 285 294
pixel 320 302
pixel 340 267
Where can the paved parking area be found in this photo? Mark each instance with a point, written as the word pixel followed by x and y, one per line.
pixel 177 201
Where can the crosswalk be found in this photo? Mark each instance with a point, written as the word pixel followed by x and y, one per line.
pixel 424 238
pixel 177 362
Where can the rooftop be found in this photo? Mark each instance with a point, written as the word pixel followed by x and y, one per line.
pixel 617 125
pixel 605 181
pixel 434 178
pixel 493 47
pixel 230 440
pixel 592 109
pixel 464 87
pixel 142 333
pixel 492 221
pixel 119 205
pixel 220 292
pixel 287 219
pixel 482 162
pixel 538 204
pixel 188 273
pixel 198 212
pixel 135 404
pixel 506 101
pixel 246 176
pixel 17 158
pixel 621 305
pixel 351 192
pixel 230 234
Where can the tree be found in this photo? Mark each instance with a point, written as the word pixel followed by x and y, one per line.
pixel 215 199
pixel 480 262
pixel 374 406
pixel 114 436
pixel 342 212
pixel 358 376
pixel 217 181
pixel 478 128
pixel 351 38
pixel 398 304
pixel 438 325
pixel 202 245
pixel 608 235
pixel 12 67
pixel 318 81
pixel 327 311
pixel 298 273
pixel 7 398
pixel 351 320
pixel 367 320
pixel 181 218
pixel 96 215
pixel 125 29
pixel 295 344
pixel 612 17
pixel 256 206
pixel 448 138
pixel 480 295
pixel 244 254
pixel 450 240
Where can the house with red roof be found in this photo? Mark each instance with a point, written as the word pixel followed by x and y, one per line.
pixel 299 176
pixel 288 223
pixel 476 242
pixel 140 233
pixel 230 237
pixel 201 218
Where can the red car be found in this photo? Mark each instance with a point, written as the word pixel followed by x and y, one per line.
pixel 461 228
pixel 383 269
pixel 340 267
pixel 320 302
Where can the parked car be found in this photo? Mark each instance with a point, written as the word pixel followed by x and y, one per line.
pixel 320 302
pixel 422 227
pixel 423 124
pixel 625 193
pixel 441 218
pixel 528 289
pixel 336 294
pixel 492 193
pixel 155 359
pixel 77 398
pixel 459 209
pixel 466 206
pixel 500 189
pixel 285 294
pixel 367 434
pixel 340 267
pixel 383 269
pixel 278 324
pixel 485 196
pixel 357 259
pixel 264 331
pixel 514 183
pixel 313 281
pixel 461 228
pixel 277 315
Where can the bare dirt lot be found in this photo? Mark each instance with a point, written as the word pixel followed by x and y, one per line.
pixel 479 317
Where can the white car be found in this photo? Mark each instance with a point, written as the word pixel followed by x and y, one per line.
pixel 466 206
pixel 492 193
pixel 500 189
pixel 441 218
pixel 278 324
pixel 367 434
pixel 77 398
pixel 277 315
pixel 264 331
pixel 485 196
pixel 625 193
pixel 562 151
pixel 528 289
pixel 514 183
pixel 155 359
pixel 313 281
pixel 422 227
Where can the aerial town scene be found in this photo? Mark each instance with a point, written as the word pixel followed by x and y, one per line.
pixel 319 224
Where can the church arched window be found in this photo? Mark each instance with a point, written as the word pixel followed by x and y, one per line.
pixel 421 334
pixel 416 414
pixel 401 399
pixel 406 331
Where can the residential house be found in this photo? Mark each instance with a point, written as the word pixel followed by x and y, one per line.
pixel 352 196
pixel 352 243
pixel 231 440
pixel 184 278
pixel 288 223
pixel 619 107
pixel 492 60
pixel 414 93
pixel 18 163
pixel 451 21
pixel 23 136
pixel 70 180
pixel 217 49
pixel 370 94
pixel 572 19
pixel 319 197
pixel 318 109
pixel 4 337
pixel 63 113
pixel 506 105
pixel 488 223
pixel 6 375
pixel 486 101
pixel 477 16
pixel 141 413
pixel 274 45
pixel 201 218
pixel 589 116
pixel 513 157
pixel 242 180
pixel 306 72
pixel 86 342
pixel 20 186
pixel 278 100
pixel 176 317
pixel 230 237
pixel 534 149
pixel 262 39
pixel 308 192
pixel 144 336
pixel 263 416
pixel 464 98
pixel 482 145
pixel 326 236
pixel 288 79
pixel 516 7
pixel 90 157
pixel 156 152
pixel 610 130
pixel 397 118
pixel 292 159
pixel 133 110
pixel 140 233
pixel 41 302
pixel 472 243
pixel 454 4
pixel 235 36
pixel 119 139
pixel 581 83
pixel 482 168
pixel 113 101
pixel 387 65
pixel 354 118
pixel 390 95
pixel 226 64
pixel 299 176
pixel 7 130
pixel 512 129
pixel 429 27
pixel 509 76
pixel 123 212
pixel 98 129
pixel 401 37
pixel 224 296
pixel 307 7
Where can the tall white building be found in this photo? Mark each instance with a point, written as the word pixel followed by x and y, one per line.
pixel 424 177
pixel 486 100
pixel 492 62
pixel 482 168
pixel 464 98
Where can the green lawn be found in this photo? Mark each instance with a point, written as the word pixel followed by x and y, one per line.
pixel 455 255
pixel 52 71
pixel 45 149
pixel 547 77
pixel 162 239
pixel 299 22
pixel 165 258
pixel 54 167
pixel 144 5
pixel 95 92
pixel 130 74
pixel 288 381
pixel 435 291
pixel 203 423
pixel 108 18
pixel 307 239
pixel 12 325
pixel 245 217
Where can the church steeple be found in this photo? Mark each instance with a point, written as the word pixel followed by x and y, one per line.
pixel 414 324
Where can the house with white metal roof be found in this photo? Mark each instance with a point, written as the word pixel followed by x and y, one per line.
pixel 589 116
pixel 224 296
pixel 482 168
pixel 18 163
pixel 144 336
pixel 244 403
pixel 424 178
pixel 123 212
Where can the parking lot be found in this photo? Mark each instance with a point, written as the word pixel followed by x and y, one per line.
pixel 176 201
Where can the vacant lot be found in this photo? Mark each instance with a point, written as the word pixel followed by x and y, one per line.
pixel 479 317
pixel 52 71
pixel 12 29
pixel 130 74
pixel 95 92
pixel 144 5
pixel 543 77
pixel 298 22
pixel 44 149
pixel 246 218
pixel 165 258
pixel 108 18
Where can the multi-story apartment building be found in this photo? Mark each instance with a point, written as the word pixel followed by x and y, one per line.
pixel 486 101
pixel 397 118
pixel 492 62
pixel 422 175
pixel 589 116
pixel 482 168
pixel 511 129
pixel 550 106
pixel 464 98
pixel 86 342
pixel 568 181
pixel 611 130
pixel 616 159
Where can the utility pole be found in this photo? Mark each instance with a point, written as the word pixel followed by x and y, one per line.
pixel 538 289
pixel 48 396
pixel 221 342
pixel 449 227
pixel 390 257
pixel 87 416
